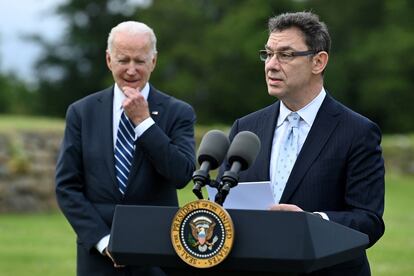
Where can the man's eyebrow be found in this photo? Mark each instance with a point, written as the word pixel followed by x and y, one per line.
pixel 281 49
pixel 285 48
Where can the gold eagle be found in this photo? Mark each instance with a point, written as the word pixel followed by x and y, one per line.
pixel 199 231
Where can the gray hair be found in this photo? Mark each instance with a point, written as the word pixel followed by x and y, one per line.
pixel 132 27
pixel 315 32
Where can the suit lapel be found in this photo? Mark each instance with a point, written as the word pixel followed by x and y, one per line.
pixel 325 123
pixel 155 103
pixel 105 113
pixel 266 125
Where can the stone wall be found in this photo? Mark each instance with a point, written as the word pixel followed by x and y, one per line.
pixel 28 159
pixel 399 154
pixel 27 170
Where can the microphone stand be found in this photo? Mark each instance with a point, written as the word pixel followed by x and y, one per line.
pixel 229 180
pixel 202 178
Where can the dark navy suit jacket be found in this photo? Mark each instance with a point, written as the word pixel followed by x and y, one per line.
pixel 339 170
pixel 86 187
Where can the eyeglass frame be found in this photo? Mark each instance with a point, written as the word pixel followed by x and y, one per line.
pixel 293 54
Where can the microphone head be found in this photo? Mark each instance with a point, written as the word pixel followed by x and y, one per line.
pixel 213 148
pixel 244 149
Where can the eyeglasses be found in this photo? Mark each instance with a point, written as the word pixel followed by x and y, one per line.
pixel 283 56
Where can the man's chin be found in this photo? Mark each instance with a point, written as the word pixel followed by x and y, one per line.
pixel 133 85
pixel 274 92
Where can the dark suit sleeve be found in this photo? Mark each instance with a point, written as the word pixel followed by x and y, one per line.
pixel 364 190
pixel 85 220
pixel 171 149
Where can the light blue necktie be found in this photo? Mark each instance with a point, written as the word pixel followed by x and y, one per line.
pixel 124 151
pixel 288 152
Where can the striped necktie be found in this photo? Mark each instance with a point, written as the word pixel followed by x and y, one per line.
pixel 124 151
pixel 287 156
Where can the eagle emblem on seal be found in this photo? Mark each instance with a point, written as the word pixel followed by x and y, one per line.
pixel 202 230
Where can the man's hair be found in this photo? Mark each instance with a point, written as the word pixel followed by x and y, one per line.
pixel 132 27
pixel 315 32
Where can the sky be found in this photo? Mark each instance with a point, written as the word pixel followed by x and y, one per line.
pixel 23 17
pixel 20 17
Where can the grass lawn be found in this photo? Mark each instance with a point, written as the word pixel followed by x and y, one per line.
pixel 393 254
pixel 41 244
pixel 44 244
pixel 16 122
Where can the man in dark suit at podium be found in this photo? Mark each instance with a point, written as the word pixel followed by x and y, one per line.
pixel 320 156
pixel 128 144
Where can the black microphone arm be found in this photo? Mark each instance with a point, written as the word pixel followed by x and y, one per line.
pixel 211 153
pixel 241 155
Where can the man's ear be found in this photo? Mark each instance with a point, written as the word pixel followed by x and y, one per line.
pixel 108 60
pixel 319 62
pixel 154 62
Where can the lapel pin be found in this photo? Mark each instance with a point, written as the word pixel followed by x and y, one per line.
pixel 154 112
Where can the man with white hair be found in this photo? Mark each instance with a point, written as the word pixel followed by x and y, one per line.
pixel 128 144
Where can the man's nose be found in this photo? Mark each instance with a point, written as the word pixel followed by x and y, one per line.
pixel 132 68
pixel 273 64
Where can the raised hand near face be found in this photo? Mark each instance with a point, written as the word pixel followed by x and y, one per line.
pixel 135 106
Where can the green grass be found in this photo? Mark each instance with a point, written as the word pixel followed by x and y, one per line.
pixel 41 244
pixel 44 244
pixel 15 122
pixel 393 254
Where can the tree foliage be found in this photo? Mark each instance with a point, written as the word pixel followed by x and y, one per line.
pixel 15 96
pixel 75 66
pixel 208 54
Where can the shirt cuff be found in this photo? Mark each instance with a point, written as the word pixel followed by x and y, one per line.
pixel 323 215
pixel 102 244
pixel 143 126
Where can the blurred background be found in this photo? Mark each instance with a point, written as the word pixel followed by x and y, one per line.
pixel 52 52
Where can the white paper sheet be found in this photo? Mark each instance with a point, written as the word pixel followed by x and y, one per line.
pixel 247 196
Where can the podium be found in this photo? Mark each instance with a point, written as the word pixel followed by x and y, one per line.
pixel 265 242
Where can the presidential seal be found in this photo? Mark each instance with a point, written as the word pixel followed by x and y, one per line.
pixel 202 233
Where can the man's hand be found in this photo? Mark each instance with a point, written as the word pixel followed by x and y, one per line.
pixel 285 207
pixel 135 106
pixel 107 253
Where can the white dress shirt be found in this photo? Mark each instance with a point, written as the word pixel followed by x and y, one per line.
pixel 307 115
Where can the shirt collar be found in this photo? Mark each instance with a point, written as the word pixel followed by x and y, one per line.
pixel 307 113
pixel 283 113
pixel 119 95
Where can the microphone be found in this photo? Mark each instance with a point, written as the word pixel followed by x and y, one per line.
pixel 211 153
pixel 242 153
